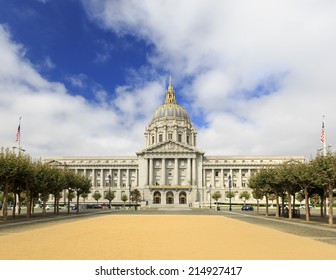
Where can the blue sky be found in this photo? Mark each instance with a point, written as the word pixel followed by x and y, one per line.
pixel 61 41
pixel 86 75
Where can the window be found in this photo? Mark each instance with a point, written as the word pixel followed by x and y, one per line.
pixel 216 173
pixel 187 139
pixel 160 138
pixel 170 136
pixel 179 138
pixel 152 139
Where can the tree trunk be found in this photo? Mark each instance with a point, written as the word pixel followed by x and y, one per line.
pixel 258 206
pixel 28 202
pixel 44 211
pixel 321 204
pixel 77 210
pixel 14 205
pixel 277 205
pixel 289 206
pixel 325 202
pixel 266 196
pixel 306 203
pixel 32 206
pixel 57 203
pixel 68 201
pixel 19 205
pixel 5 202
pixel 331 217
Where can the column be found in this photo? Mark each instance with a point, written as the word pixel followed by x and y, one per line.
pixel 203 178
pixel 188 172
pixel 176 172
pixel 136 178
pixel 94 181
pixel 239 181
pixel 127 177
pixel 213 178
pixel 194 173
pixel 101 177
pixel 147 172
pixel 163 172
pixel 221 181
pixel 119 177
pixel 150 172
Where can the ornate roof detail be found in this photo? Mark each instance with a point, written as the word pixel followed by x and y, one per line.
pixel 170 147
pixel 170 109
pixel 170 93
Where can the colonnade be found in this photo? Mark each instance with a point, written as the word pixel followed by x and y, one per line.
pixel 118 177
pixel 171 171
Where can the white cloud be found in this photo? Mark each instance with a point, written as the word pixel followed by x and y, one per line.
pixel 229 49
pixel 78 80
pixel 57 123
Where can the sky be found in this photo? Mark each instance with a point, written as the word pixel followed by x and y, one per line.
pixel 85 76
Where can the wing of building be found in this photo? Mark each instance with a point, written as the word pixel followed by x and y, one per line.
pixel 170 171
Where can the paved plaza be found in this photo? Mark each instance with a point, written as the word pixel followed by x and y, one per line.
pixel 166 234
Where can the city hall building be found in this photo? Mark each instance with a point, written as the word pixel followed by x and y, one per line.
pixel 170 171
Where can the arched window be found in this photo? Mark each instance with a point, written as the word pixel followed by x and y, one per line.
pixel 169 198
pixel 157 198
pixel 183 198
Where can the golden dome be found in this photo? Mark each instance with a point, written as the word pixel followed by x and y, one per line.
pixel 170 109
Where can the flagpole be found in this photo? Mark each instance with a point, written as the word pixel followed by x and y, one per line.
pixel 324 142
pixel 18 137
pixel 20 134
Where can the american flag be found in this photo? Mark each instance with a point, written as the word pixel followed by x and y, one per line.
pixel 322 138
pixel 18 132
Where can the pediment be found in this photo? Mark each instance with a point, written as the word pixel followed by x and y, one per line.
pixel 170 147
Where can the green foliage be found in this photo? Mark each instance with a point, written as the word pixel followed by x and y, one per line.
pixel 109 195
pixel 216 195
pixel 300 196
pixel 229 194
pixel 96 196
pixel 29 179
pixel 245 195
pixel 135 196
pixel 124 198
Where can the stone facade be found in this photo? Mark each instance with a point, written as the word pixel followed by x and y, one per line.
pixel 170 171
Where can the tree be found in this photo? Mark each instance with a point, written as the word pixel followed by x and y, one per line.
pixel 300 197
pixel 229 194
pixel 325 177
pixel 8 171
pixel 272 197
pixel 302 176
pixel 82 186
pixel 96 196
pixel 109 196
pixel 258 195
pixel 314 199
pixel 135 196
pixel 262 181
pixel 84 196
pixel 124 198
pixel 245 195
pixel 216 195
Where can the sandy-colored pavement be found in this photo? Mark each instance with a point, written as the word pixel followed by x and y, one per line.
pixel 160 237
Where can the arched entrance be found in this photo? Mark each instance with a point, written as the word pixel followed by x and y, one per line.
pixel 169 198
pixel 183 198
pixel 157 198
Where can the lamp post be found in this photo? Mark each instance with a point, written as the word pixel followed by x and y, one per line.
pixel 129 191
pixel 210 198
pixel 109 197
pixel 230 183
